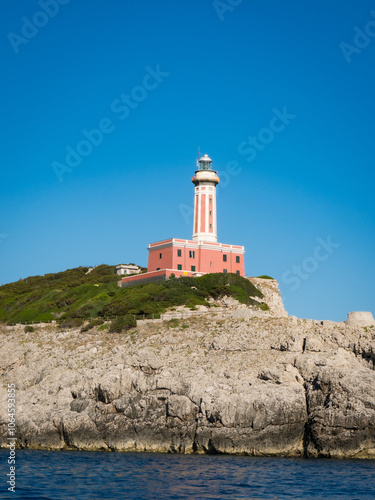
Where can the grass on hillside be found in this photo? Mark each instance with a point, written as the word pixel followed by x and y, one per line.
pixel 73 296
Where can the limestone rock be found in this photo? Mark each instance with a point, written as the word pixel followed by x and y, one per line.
pixel 259 386
pixel 272 296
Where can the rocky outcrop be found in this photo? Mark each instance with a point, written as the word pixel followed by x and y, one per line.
pixel 259 386
pixel 272 296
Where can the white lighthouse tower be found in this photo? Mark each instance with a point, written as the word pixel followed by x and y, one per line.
pixel 205 181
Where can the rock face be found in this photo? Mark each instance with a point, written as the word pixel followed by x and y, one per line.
pixel 272 297
pixel 259 386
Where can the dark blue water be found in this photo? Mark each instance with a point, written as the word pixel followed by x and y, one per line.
pixel 84 475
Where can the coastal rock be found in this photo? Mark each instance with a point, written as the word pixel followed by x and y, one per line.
pixel 272 296
pixel 257 386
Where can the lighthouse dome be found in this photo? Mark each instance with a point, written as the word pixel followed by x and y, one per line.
pixel 205 158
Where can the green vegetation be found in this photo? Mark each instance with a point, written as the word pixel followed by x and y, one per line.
pixel 264 307
pixel 173 323
pixel 73 297
pixel 265 277
pixel 123 323
pixel 64 296
pixel 92 324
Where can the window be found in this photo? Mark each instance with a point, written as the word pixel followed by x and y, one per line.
pixel 237 259
pixel 210 212
pixel 210 264
pixel 158 268
pixel 210 226
pixel 237 272
pixel 193 268
pixel 179 267
pixel 160 255
pixel 224 257
pixel 225 271
pixel 178 253
pixel 192 254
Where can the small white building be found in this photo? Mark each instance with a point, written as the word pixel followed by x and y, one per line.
pixel 128 269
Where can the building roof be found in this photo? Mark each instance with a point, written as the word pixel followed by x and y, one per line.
pixel 128 266
pixel 205 158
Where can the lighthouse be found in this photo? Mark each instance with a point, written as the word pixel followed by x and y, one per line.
pixel 202 254
pixel 205 181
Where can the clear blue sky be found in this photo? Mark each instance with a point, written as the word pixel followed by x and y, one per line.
pixel 224 70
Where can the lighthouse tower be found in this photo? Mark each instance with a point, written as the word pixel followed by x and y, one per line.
pixel 205 181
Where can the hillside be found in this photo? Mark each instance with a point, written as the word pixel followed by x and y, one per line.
pixel 73 296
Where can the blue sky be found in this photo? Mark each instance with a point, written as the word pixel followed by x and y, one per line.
pixel 298 191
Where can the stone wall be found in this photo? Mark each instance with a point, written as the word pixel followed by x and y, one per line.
pixel 360 318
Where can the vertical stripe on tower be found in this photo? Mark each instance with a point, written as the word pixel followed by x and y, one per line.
pixel 196 213
pixel 207 218
pixel 203 213
pixel 199 210
pixel 214 222
pixel 210 209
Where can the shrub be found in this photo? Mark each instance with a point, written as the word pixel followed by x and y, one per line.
pixel 123 323
pixel 29 329
pixel 264 307
pixel 71 323
pixel 92 324
pixel 239 293
pixel 172 323
pixel 265 277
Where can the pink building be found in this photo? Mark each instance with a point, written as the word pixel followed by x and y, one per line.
pixel 201 255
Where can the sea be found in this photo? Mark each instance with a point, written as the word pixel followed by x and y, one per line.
pixel 69 475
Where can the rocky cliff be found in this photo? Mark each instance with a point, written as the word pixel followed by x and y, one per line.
pixel 260 386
